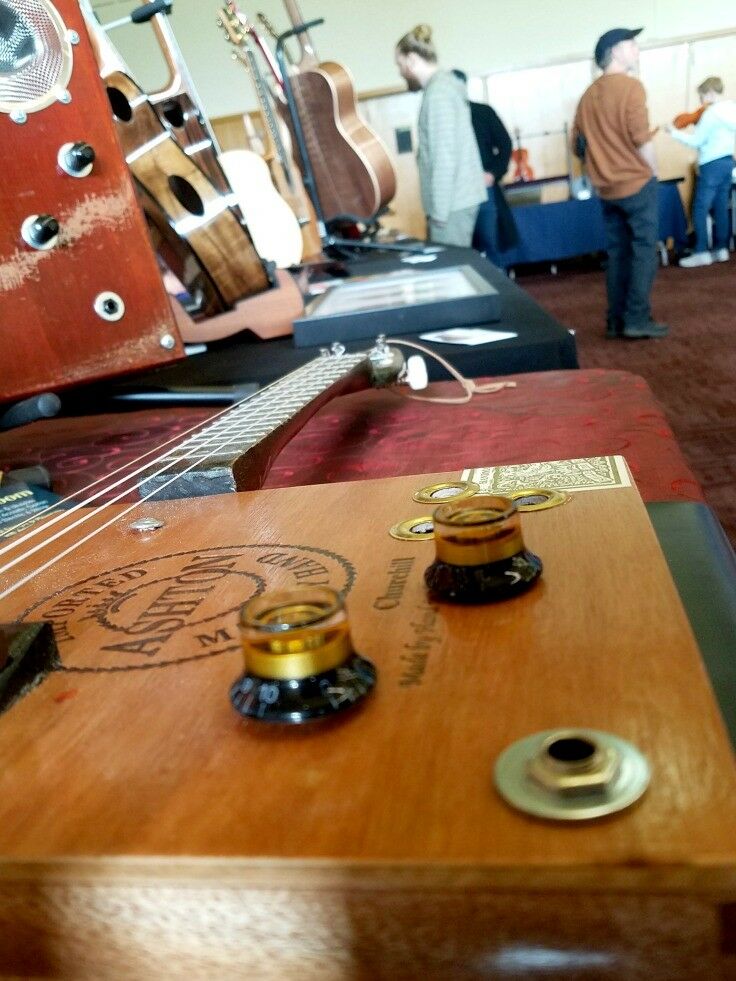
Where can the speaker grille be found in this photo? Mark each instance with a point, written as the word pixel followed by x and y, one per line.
pixel 35 55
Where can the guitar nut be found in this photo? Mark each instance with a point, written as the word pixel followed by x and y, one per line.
pixel 571 762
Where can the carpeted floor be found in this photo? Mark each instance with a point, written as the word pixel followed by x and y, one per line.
pixel 692 372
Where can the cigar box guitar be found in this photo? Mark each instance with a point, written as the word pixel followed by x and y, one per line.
pixel 377 840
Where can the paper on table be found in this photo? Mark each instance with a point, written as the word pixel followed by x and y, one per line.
pixel 467 335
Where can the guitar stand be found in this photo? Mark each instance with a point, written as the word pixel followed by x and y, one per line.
pixel 328 240
pixel 42 406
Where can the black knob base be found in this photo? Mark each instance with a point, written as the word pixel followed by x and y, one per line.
pixel 483 583
pixel 79 157
pixel 294 701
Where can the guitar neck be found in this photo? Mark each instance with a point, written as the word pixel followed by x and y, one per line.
pixel 234 452
pixel 267 56
pixel 274 34
pixel 309 55
pixel 275 145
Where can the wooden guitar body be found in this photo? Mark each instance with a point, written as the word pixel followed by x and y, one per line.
pixel 178 107
pixel 266 315
pixel 354 176
pixel 207 247
pixel 197 231
pixel 374 845
pixel 288 182
pixel 352 170
pixel 271 222
pixel 54 330
pixel 183 118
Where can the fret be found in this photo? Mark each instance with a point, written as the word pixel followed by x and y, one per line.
pixel 218 446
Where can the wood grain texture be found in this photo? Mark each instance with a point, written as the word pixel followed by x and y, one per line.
pixel 179 107
pixel 49 333
pixel 375 843
pixel 180 115
pixel 208 247
pixel 352 170
pixel 269 314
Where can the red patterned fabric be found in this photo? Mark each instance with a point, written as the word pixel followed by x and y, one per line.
pixel 548 416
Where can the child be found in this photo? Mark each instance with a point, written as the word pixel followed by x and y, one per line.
pixel 713 137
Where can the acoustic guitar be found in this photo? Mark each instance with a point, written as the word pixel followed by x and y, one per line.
pixel 520 158
pixel 194 227
pixel 272 224
pixel 277 148
pixel 353 173
pixel 269 222
pixel 180 108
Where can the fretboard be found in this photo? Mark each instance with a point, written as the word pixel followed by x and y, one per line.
pixel 215 458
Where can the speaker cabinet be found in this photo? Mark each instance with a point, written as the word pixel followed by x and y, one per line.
pixel 81 295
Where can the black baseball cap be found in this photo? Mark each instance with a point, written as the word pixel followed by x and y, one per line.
pixel 611 38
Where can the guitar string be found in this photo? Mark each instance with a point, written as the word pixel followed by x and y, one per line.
pixel 217 449
pixel 288 381
pixel 79 542
pixel 350 363
pixel 156 449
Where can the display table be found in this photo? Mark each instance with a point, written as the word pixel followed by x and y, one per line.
pixel 541 342
pixel 550 232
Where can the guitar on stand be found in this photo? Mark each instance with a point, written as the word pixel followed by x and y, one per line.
pixel 520 158
pixel 277 149
pixel 353 174
pixel 202 240
pixel 270 222
pixel 180 108
pixel 306 140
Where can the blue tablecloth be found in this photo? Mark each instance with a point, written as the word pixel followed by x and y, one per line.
pixel 559 231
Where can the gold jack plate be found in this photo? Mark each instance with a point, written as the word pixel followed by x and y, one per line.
pixel 537 498
pixel 413 529
pixel 454 490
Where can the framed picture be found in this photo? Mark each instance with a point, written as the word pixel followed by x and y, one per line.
pixel 404 301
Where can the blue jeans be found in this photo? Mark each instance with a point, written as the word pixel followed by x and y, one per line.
pixel 713 191
pixel 632 227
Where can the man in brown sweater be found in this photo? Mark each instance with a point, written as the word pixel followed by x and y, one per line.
pixel 611 132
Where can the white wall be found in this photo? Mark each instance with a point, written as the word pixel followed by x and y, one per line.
pixel 477 35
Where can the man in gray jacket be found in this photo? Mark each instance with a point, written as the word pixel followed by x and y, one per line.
pixel 450 170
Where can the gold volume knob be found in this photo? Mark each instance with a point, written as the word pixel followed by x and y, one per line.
pixel 480 552
pixel 298 657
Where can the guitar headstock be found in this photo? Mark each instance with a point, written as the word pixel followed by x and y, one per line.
pixel 234 24
pixel 269 26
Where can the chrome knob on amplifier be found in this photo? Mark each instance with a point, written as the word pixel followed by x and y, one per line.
pixel 76 159
pixel 40 231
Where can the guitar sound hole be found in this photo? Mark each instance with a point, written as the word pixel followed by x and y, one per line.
pixel 186 195
pixel 120 106
pixel 174 115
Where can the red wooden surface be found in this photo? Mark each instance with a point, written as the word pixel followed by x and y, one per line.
pixel 49 333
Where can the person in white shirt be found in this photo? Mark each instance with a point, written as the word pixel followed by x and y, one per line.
pixel 713 138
